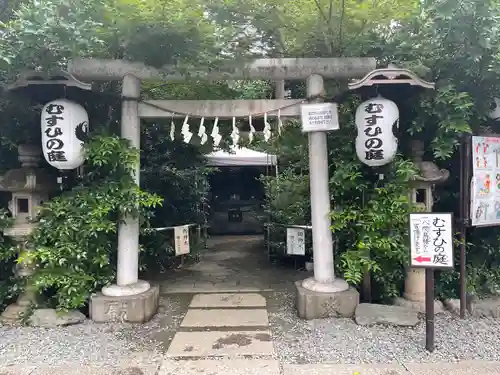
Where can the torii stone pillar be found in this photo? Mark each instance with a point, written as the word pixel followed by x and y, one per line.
pixel 322 295
pixel 130 299
pixel 127 279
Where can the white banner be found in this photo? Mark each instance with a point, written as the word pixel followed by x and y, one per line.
pixel 295 241
pixel 181 234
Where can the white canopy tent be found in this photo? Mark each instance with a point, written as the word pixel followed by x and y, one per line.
pixel 249 209
pixel 240 157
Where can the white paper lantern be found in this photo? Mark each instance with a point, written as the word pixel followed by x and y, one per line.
pixel 376 144
pixel 65 125
pixel 495 110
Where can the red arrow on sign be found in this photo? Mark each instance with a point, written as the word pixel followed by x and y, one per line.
pixel 421 259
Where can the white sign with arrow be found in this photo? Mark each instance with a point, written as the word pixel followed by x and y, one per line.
pixel 431 240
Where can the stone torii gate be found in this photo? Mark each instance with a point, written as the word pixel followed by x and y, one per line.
pixel 135 300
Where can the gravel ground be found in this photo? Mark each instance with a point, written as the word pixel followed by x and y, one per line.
pixel 93 343
pixel 343 341
pixel 296 341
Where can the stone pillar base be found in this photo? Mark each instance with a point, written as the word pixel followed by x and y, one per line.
pixel 15 314
pixel 414 294
pixel 18 312
pixel 138 308
pixel 317 305
pixel 418 306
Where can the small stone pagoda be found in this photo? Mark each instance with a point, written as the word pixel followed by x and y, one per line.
pixel 30 187
pixel 421 196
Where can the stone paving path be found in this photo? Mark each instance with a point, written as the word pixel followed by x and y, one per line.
pixel 228 334
pixel 231 327
pixel 233 264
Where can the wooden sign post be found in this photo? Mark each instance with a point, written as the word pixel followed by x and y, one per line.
pixel 431 247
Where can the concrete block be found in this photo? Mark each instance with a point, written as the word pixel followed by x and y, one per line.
pixel 472 367
pixel 220 367
pixel 317 305
pixel 344 369
pixel 221 344
pixel 225 318
pixel 419 306
pixel 222 300
pixel 139 308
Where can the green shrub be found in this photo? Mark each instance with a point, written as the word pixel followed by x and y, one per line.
pixel 75 242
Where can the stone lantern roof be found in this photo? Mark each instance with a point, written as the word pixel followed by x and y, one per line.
pixel 428 171
pixel 28 178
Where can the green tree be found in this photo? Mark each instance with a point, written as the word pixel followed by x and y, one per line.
pixel 74 243
pixel 44 36
pixel 452 42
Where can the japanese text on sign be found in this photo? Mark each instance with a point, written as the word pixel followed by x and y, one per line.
pixel 64 130
pixel 319 117
pixel 295 241
pixel 54 114
pixel 181 235
pixel 431 240
pixel 374 143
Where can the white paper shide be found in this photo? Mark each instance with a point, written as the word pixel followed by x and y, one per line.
pixel 319 117
pixel 295 241
pixel 181 234
pixel 376 144
pixel 431 240
pixel 65 126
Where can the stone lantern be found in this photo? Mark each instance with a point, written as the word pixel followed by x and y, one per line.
pixel 421 196
pixel 30 187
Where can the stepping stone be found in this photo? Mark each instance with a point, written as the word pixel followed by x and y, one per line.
pixel 228 300
pixel 220 344
pixel 220 367
pixel 470 367
pixel 340 369
pixel 95 368
pixel 225 318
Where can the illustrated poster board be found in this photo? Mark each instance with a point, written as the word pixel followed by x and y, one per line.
pixel 295 241
pixel 485 183
pixel 431 240
pixel 181 234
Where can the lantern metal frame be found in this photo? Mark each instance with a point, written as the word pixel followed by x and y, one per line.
pixel 56 78
pixel 390 76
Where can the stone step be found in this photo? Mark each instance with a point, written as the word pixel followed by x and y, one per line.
pixel 222 300
pixel 225 318
pixel 220 367
pixel 221 344
pixel 212 288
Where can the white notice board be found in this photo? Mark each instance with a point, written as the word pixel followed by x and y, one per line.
pixel 431 240
pixel 319 117
pixel 181 235
pixel 485 184
pixel 295 241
